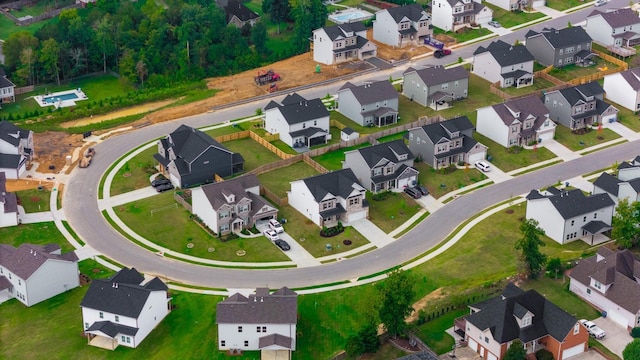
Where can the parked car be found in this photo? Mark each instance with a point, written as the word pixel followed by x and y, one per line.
pixel 164 187
pixel 86 159
pixel 271 234
pixel 276 226
pixel 599 2
pixel 441 52
pixel 413 192
pixel 160 181
pixel 483 166
pixel 283 245
pixel 593 329
pixel 495 24
pixel 423 190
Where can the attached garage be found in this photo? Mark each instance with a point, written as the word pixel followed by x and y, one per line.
pixel 473 345
pixel 357 216
pixel 476 157
pixel 618 317
pixel 490 356
pixel 572 351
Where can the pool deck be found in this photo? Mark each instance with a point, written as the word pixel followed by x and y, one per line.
pixel 40 99
pixel 349 15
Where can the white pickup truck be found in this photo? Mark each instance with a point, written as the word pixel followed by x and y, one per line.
pixel 593 329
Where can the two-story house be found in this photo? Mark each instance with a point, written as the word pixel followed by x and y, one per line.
pixel 8 204
pixel 381 167
pixel 7 93
pixel 624 185
pixel 260 321
pixel 402 25
pixel 623 88
pixel 340 43
pixel 16 149
pixel 569 215
pixel 370 104
pixel 517 5
pixel 494 324
pixel 452 15
pixel 330 198
pixel 299 122
pixel 123 309
pixel 437 86
pixel 559 48
pixel 609 282
pixel 445 143
pixel 516 122
pixel 509 65
pixel 580 106
pixel 189 157
pixel 618 30
pixel 34 273
pixel 238 14
pixel 231 205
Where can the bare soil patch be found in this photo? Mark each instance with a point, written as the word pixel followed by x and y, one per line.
pixel 27 184
pixel 51 148
pixel 118 114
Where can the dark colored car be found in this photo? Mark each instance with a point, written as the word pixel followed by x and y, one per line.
pixel 423 190
pixel 161 181
pixel 413 192
pixel 282 244
pixel 164 187
pixel 441 52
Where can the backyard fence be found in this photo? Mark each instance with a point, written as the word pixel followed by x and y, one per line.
pixel 314 164
pixel 233 136
pixel 24 89
pixel 273 197
pixel 275 165
pixel 264 141
pixel 180 200
pixel 28 20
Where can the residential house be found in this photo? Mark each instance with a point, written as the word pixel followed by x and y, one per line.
pixel 370 104
pixel 261 321
pixel 189 157
pixel 516 122
pixel 623 88
pixel 401 26
pixel 123 309
pixel 34 273
pixel 238 14
pixel 7 90
pixel 560 48
pixel 385 166
pixel 569 215
pixel 446 143
pixel 509 65
pixel 437 86
pixel 517 5
pixel 299 122
pixel 609 282
pixel 330 198
pixel 341 43
pixel 8 204
pixel 231 205
pixel 618 29
pixel 624 185
pixel 16 149
pixel 493 325
pixel 452 15
pixel 580 106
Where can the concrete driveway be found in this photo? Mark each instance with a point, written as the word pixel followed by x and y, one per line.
pixel 297 253
pixel 617 337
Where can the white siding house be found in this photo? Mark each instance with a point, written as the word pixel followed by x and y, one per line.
pixel 624 88
pixel 7 94
pixel 340 43
pixel 8 204
pixel 299 122
pixel 402 25
pixel 504 63
pixel 451 15
pixel 616 29
pixel 16 149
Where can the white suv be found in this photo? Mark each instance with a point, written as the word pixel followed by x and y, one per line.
pixel 483 166
pixel 275 226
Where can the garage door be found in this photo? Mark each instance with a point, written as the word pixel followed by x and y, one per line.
pixel 473 345
pixel 476 157
pixel 578 349
pixel 617 317
pixel 490 356
pixel 357 216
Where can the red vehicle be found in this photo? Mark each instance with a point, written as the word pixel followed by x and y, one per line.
pixel 441 52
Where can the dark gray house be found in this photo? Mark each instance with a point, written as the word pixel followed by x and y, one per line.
pixel 386 166
pixel 238 14
pixel 579 106
pixel 374 103
pixel 559 48
pixel 189 157
pixel 448 142
pixel 436 86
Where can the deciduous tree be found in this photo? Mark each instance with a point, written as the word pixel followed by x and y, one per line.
pixel 529 246
pixel 397 293
pixel 50 58
pixel 625 224
pixel 632 350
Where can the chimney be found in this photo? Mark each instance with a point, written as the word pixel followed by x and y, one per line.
pixel 261 299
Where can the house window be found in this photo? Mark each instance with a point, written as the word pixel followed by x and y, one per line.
pixel 223 343
pixel 239 328
pixel 315 122
pixel 569 50
pixel 486 339
pixel 117 318
pixel 123 338
pixel 264 329
pixel 258 328
pixel 9 275
pixel 101 315
pixel 572 222
pixel 584 219
pixel 526 321
pixel 576 329
pixel 597 285
pixel 595 215
pixel 304 125
pixel 128 340
pixel 354 201
pixel 19 282
pixel 224 227
pixel 589 291
pixel 455 83
pixel 445 86
pixel 560 52
pixel 514 129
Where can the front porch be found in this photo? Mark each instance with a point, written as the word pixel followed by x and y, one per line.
pixel 440 101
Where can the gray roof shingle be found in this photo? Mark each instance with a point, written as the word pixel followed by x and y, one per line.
pixel 239 10
pixel 371 92
pixel 618 18
pixel 443 129
pixel 344 30
pixel 563 37
pixel 11 133
pixel 372 155
pixel 578 93
pixel 608 183
pixel 572 203
pixel 439 75
pixel 506 54
pixel 632 77
pixel 526 106
pixel 295 109
pixel 280 307
pixel 216 192
pixel 338 183
pixel 413 12
pixel 5 83
pixel 27 258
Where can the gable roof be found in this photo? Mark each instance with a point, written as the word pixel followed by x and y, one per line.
pixel 9 200
pixel 11 133
pixel 608 183
pixel 618 269
pixel 122 294
pixel 239 10
pixel 112 329
pixel 275 339
pixel 338 183
pixel 439 75
pixel 617 18
pixel 506 54
pixel 632 77
pixel 412 12
pixel 578 93
pixel 526 106
pixel 5 83
pixel 216 192
pixel 26 259
pixel 563 37
pixel 344 30
pixel 296 109
pixel 189 143
pixel 371 92
pixel 372 155
pixel 280 307
pixel 499 314
pixel 439 130
pixel 572 203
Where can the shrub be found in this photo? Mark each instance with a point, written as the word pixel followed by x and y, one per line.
pixel 544 354
pixel 554 267
pixel 635 332
pixel 332 231
pixel 379 196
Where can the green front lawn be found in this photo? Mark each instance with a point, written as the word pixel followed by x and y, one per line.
pixel 173 229
pixel 557 291
pixel 627 117
pixel 254 154
pixel 579 142
pixel 506 160
pixel 570 72
pixel 467 35
pixel 135 173
pixel 434 333
pixel 439 183
pixel 332 160
pixel 278 180
pixel 392 212
pixel 509 19
pixel 38 233
pixel 34 200
pixel 538 84
pixel 561 5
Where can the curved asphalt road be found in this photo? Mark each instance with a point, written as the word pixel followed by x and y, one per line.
pixel 81 210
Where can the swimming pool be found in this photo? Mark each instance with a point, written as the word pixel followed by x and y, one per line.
pixel 61 99
pixel 349 15
pixel 54 98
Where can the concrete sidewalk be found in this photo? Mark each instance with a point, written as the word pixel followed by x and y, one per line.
pixel 128 197
pixel 371 232
pixel 623 131
pixel 552 13
pixel 560 150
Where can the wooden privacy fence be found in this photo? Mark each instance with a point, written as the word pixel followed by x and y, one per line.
pixel 264 141
pixel 24 89
pixel 276 165
pixel 273 197
pixel 612 59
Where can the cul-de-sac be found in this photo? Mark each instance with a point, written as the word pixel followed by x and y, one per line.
pixel 320 179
